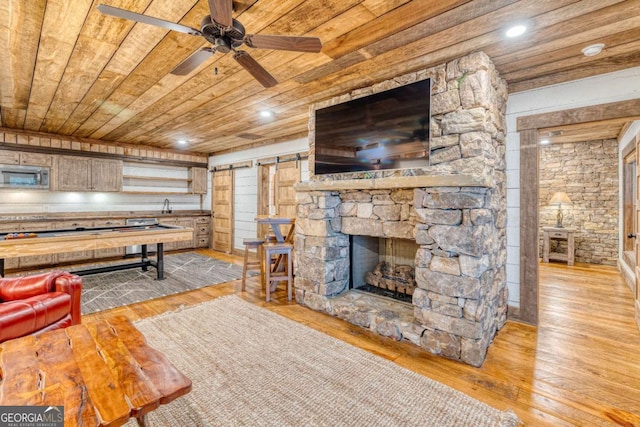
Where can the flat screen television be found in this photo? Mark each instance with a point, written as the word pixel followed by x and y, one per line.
pixel 385 130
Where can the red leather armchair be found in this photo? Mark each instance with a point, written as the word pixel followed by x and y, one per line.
pixel 38 303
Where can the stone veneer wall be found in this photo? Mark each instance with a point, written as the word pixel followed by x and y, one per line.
pixel 460 266
pixel 588 173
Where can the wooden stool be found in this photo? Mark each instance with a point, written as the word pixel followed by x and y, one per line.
pixel 252 265
pixel 280 249
pixel 270 238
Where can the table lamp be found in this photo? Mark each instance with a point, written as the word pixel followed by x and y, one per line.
pixel 559 198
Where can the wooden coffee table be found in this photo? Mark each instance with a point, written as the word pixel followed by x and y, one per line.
pixel 103 373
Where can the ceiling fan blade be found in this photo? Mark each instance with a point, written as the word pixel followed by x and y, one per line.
pixel 221 12
pixel 298 44
pixel 192 62
pixel 255 69
pixel 132 16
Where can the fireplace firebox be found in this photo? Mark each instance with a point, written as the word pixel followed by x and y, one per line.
pixel 384 267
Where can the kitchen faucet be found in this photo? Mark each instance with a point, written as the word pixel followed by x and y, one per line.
pixel 166 206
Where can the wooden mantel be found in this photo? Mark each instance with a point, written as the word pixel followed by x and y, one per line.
pixel 396 182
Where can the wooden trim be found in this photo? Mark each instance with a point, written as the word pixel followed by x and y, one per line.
pixel 263 197
pixel 529 161
pixel 613 110
pixel 93 154
pixel 43 139
pixel 513 313
pixel 529 183
pixel 628 203
pixel 629 149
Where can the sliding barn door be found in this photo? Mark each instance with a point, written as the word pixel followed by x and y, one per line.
pixel 287 174
pixel 222 207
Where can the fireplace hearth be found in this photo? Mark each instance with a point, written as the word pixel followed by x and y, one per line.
pixel 396 293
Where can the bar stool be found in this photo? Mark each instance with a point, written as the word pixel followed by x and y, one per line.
pixel 270 238
pixel 250 244
pixel 280 250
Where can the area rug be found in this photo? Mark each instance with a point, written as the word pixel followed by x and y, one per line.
pixel 183 271
pixel 252 367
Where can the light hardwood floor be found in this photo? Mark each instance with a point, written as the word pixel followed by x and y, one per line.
pixel 580 367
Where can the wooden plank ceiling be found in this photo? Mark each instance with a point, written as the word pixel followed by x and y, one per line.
pixel 68 69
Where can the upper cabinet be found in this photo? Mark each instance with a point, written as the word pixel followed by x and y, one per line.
pixel 36 159
pixel 8 157
pixel 88 174
pixel 106 175
pixel 74 173
pixel 80 173
pixel 198 184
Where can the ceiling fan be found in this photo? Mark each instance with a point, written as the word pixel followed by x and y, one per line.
pixel 225 35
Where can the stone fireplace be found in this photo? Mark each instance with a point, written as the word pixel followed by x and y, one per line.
pixel 452 212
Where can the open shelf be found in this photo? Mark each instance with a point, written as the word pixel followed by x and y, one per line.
pixel 157 192
pixel 155 178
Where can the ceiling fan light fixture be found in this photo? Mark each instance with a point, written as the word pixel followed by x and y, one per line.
pixel 516 30
pixel 225 35
pixel 593 49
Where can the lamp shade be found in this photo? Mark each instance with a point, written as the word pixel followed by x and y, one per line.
pixel 560 197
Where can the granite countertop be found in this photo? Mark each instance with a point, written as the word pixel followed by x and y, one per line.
pixel 54 216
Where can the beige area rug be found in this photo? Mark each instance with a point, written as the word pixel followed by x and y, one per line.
pixel 252 367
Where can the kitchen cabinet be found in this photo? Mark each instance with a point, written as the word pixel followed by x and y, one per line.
pixel 106 175
pixel 36 159
pixel 198 183
pixel 9 157
pixel 87 174
pixel 74 173
pixel 202 227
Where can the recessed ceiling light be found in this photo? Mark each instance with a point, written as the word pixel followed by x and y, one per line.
pixel 182 142
pixel 266 113
pixel 544 142
pixel 516 30
pixel 593 49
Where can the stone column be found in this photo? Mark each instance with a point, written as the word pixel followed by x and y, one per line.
pixel 321 248
pixel 455 271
